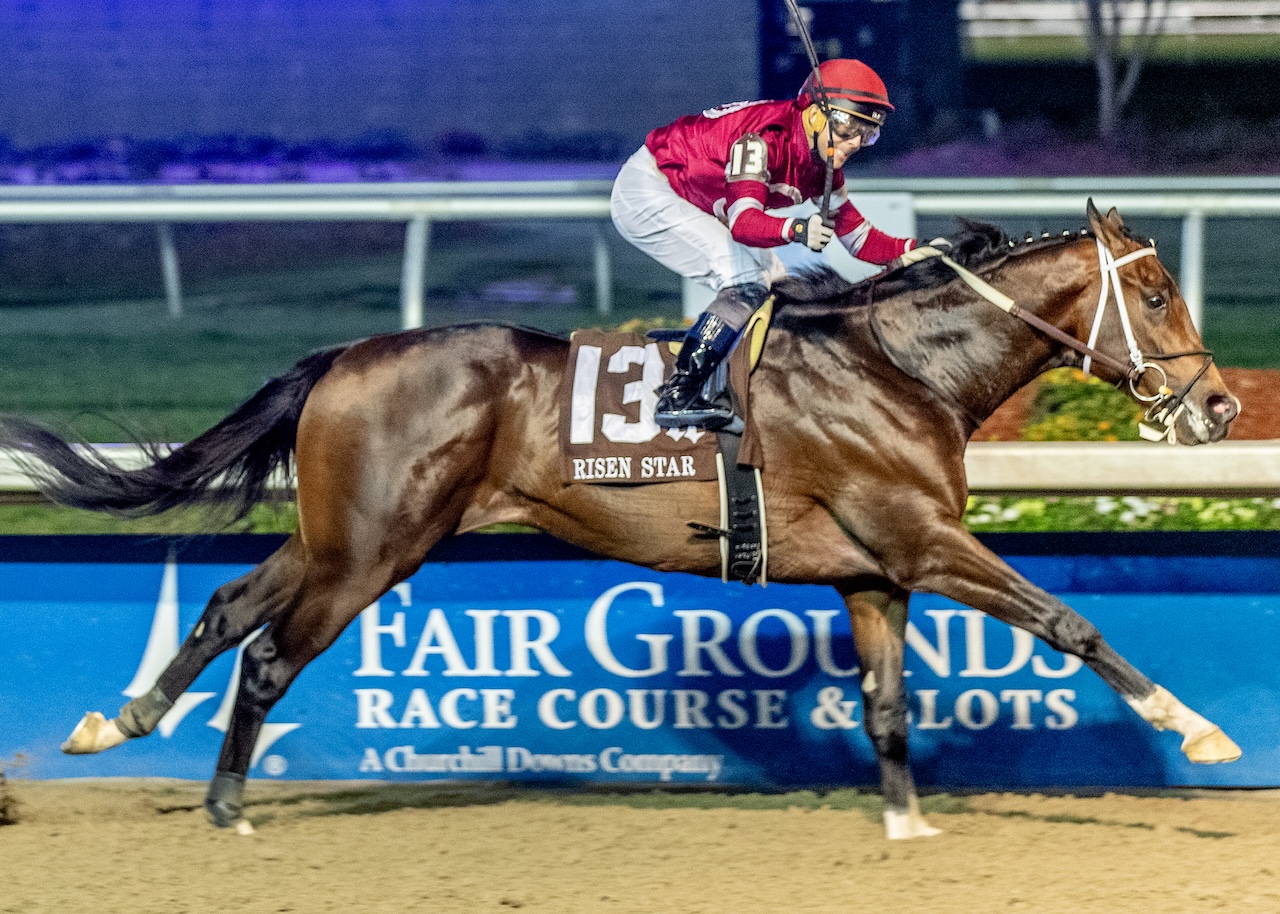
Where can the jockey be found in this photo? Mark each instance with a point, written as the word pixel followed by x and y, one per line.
pixel 695 198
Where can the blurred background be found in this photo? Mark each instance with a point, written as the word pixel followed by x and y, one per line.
pixel 131 97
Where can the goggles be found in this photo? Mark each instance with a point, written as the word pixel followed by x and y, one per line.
pixel 846 126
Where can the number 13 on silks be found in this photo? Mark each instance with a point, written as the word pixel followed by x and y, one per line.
pixel 748 159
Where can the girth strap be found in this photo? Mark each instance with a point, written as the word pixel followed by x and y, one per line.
pixel 743 535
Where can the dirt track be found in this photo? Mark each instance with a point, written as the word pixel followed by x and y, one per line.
pixel 129 847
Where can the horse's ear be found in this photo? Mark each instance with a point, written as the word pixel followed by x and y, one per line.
pixel 1109 227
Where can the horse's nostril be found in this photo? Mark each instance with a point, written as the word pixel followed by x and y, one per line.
pixel 1222 408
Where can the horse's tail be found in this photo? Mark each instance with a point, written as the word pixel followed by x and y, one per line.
pixel 231 463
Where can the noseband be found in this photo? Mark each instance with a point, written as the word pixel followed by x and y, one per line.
pixel 1164 406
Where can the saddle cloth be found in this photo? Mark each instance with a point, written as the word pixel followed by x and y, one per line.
pixel 608 395
pixel 607 402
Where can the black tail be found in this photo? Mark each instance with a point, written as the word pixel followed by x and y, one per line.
pixel 231 463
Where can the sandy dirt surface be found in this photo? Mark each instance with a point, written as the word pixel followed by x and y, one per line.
pixel 129 847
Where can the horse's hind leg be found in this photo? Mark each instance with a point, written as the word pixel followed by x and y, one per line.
pixel 234 610
pixel 272 661
pixel 878 616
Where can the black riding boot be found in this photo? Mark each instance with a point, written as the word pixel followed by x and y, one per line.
pixel 680 400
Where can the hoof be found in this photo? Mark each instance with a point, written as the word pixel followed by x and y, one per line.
pixel 93 734
pixel 240 826
pixel 224 815
pixel 1211 747
pixel 900 826
pixel 224 803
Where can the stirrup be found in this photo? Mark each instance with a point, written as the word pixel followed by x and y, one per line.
pixel 698 412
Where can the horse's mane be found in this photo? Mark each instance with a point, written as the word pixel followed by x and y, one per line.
pixel 821 293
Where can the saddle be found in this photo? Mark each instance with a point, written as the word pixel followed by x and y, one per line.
pixel 608 435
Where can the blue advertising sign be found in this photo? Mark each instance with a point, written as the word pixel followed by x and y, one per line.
pixel 515 658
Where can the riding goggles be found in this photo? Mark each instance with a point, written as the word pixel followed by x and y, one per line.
pixel 846 126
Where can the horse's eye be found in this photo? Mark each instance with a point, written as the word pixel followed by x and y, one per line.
pixel 1156 301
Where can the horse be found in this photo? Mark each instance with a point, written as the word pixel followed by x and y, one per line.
pixel 864 397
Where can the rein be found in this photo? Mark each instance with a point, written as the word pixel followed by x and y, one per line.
pixel 1165 406
pixel 1008 305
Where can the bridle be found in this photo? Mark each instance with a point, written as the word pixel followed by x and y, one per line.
pixel 1165 405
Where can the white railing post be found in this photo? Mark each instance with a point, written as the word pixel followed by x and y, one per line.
pixel 604 270
pixel 1192 274
pixel 413 274
pixel 169 267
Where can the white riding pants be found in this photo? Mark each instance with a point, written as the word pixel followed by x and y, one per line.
pixel 681 237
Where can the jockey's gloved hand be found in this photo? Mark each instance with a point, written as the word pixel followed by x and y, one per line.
pixel 936 247
pixel 812 232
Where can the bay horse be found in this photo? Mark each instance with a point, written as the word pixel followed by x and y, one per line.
pixel 864 397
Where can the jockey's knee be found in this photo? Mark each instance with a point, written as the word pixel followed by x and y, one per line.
pixel 735 304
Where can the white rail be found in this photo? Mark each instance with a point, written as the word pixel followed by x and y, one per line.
pixel 419 205
pixel 1123 467
pixel 999 467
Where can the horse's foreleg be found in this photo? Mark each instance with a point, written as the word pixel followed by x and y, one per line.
pixel 879 621
pixel 958 566
pixel 234 610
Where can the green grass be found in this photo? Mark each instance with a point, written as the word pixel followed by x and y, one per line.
pixel 1125 513
pixel 1244 335
pixel 53 520
pixel 1173 48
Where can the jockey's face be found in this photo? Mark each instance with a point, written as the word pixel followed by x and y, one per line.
pixel 844 135
pixel 841 148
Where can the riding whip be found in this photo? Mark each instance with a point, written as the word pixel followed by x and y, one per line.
pixel 821 90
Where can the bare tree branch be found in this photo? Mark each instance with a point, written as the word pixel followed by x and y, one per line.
pixel 1117 72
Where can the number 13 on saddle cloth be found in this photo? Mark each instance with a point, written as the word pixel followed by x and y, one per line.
pixel 607 400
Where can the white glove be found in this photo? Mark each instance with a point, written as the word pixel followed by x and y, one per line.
pixel 940 244
pixel 812 232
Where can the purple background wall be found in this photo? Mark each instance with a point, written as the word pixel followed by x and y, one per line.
pixel 302 69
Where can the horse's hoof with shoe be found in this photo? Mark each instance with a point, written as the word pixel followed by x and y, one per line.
pixel 224 803
pixel 1202 740
pixel 1211 748
pixel 902 826
pixel 93 734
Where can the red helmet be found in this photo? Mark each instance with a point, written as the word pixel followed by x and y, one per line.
pixel 849 85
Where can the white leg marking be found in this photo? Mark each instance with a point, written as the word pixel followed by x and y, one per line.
pixel 1202 740
pixel 94 733
pixel 869 681
pixel 900 826
pixel 242 827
